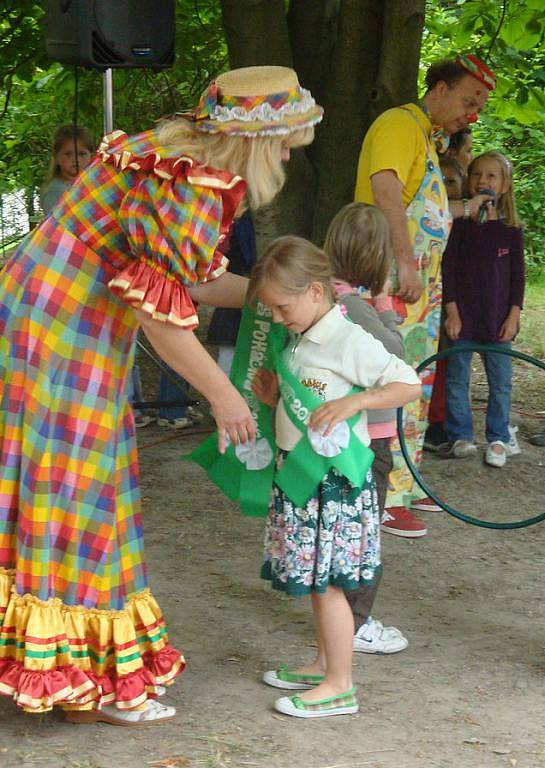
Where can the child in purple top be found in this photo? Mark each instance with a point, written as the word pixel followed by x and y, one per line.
pixel 483 288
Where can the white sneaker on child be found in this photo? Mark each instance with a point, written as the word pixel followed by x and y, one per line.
pixel 512 448
pixel 496 454
pixel 373 637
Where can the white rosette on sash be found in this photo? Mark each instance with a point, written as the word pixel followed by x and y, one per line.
pixel 255 455
pixel 332 444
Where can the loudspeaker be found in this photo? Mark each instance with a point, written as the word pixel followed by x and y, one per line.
pixel 100 34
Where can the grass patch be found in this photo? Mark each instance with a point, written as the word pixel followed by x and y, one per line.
pixel 532 333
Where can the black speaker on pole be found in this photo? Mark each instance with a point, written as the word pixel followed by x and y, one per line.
pixel 119 34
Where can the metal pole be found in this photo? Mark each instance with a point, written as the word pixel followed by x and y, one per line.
pixel 108 90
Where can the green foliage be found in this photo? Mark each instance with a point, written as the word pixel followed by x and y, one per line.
pixel 40 94
pixel 510 37
pixel 37 95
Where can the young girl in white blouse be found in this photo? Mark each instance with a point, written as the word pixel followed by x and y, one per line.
pixel 330 543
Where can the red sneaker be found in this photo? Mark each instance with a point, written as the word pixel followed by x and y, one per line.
pixel 426 505
pixel 399 521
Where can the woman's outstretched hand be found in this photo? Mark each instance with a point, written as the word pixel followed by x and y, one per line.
pixel 234 420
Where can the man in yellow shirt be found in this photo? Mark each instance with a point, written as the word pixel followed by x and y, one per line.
pixel 398 171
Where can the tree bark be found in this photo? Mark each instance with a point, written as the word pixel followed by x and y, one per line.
pixel 399 55
pixel 349 86
pixel 256 32
pixel 312 28
pixel 358 58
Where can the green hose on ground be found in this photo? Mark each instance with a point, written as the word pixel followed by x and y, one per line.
pixel 415 473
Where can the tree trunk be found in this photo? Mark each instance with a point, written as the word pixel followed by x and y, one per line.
pixel 358 58
pixel 256 32
pixel 349 88
pixel 399 55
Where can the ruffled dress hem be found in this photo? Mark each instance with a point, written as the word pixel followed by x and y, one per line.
pixel 79 658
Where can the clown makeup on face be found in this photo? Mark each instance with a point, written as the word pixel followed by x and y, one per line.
pixel 454 106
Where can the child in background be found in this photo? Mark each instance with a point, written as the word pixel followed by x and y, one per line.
pixel 435 438
pixel 359 246
pixel 73 150
pixel 225 322
pixel 483 289
pixel 454 176
pixel 460 148
pixel 332 544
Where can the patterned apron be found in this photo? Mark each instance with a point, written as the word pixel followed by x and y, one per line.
pixel 429 222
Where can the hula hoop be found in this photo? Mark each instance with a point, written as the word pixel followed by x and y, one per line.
pixel 415 473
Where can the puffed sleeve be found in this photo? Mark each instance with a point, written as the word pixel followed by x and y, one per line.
pixel 175 216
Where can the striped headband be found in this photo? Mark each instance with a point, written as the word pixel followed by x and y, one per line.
pixel 478 70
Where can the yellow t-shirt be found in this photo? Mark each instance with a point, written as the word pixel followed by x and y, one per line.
pixel 395 141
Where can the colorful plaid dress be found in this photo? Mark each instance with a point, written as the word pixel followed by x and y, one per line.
pixel 78 624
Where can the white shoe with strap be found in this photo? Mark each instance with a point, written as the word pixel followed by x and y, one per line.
pixel 373 637
pixel 153 713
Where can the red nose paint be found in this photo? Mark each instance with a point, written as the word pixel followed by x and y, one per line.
pixel 473 118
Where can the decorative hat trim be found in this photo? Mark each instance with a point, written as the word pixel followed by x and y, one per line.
pixel 282 107
pixel 478 70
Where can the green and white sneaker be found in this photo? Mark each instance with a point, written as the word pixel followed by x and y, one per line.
pixel 343 704
pixel 291 681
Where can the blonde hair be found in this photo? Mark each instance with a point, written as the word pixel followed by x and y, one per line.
pixel 359 245
pixel 292 263
pixel 258 159
pixel 505 204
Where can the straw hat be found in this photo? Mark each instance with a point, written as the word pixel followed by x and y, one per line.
pixel 256 101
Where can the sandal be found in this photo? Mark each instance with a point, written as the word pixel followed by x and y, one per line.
pixel 291 681
pixel 154 714
pixel 342 704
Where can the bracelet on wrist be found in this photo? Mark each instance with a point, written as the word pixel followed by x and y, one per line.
pixel 466 212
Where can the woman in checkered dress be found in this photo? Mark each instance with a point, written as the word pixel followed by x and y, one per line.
pixel 133 242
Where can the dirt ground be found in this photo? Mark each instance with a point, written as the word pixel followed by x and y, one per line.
pixel 467 693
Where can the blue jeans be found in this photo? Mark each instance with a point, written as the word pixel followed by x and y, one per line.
pixel 134 385
pixel 170 391
pixel 459 420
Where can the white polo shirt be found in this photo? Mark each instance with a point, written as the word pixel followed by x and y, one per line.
pixel 332 357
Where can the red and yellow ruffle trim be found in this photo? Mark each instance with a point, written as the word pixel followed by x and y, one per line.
pixel 54 654
pixel 143 283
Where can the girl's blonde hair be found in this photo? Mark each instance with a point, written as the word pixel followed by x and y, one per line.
pixel 359 245
pixel 258 159
pixel 74 133
pixel 291 263
pixel 505 204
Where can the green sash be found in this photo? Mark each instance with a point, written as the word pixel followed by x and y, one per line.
pixel 304 469
pixel 245 473
pixel 259 340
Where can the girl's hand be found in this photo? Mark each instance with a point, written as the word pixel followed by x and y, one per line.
pixel 265 387
pixel 453 322
pixel 509 329
pixel 328 415
pixel 233 419
pixel 453 326
pixel 476 202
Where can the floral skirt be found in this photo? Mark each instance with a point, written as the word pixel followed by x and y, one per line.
pixel 333 540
